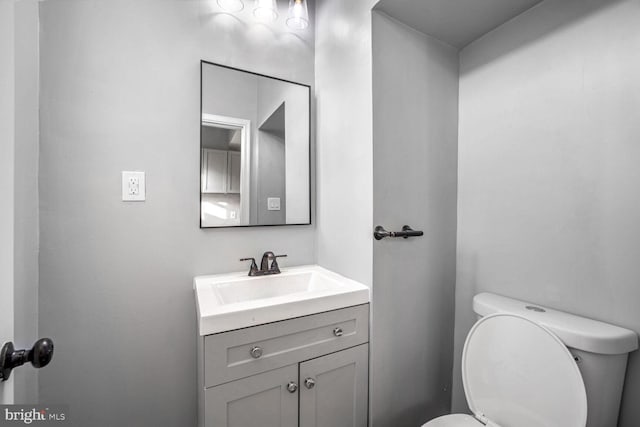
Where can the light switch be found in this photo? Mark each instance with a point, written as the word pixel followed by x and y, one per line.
pixel 273 203
pixel 133 187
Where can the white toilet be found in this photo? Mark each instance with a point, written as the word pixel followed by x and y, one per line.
pixel 528 366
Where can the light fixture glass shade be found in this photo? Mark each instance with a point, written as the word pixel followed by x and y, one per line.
pixel 298 14
pixel 231 5
pixel 266 10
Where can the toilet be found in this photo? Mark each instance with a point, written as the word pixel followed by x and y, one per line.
pixel 529 366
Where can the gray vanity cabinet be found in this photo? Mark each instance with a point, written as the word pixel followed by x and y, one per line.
pixel 334 389
pixel 309 371
pixel 267 399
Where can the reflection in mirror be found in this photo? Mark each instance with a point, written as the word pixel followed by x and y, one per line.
pixel 254 149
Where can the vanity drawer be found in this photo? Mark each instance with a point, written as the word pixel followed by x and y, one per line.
pixel 228 356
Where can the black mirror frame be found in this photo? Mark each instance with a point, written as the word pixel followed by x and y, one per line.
pixel 202 65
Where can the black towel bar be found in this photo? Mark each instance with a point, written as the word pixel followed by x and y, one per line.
pixel 380 233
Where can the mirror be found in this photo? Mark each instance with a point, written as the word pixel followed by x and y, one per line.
pixel 255 147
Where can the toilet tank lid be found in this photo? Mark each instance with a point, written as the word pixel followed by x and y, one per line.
pixel 575 331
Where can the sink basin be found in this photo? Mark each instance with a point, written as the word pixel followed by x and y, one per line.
pixel 232 301
pixel 232 292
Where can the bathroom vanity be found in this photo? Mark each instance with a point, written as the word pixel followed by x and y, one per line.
pixel 287 350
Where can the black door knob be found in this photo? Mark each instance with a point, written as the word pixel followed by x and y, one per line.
pixel 39 355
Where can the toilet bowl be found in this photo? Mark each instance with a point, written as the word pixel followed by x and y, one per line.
pixel 528 366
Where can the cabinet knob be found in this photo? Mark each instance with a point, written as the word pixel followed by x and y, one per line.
pixel 256 352
pixel 309 383
pixel 338 332
pixel 292 387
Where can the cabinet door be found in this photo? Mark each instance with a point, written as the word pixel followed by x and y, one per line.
pixel 214 171
pixel 234 167
pixel 334 389
pixel 262 400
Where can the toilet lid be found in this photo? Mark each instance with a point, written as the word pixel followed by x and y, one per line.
pixel 517 373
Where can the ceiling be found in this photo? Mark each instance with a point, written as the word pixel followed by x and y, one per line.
pixel 456 22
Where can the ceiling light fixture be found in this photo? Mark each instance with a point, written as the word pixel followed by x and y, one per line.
pixel 266 10
pixel 298 15
pixel 231 5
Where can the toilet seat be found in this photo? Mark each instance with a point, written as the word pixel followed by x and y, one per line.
pixel 517 373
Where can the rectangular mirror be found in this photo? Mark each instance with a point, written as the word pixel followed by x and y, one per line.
pixel 255 148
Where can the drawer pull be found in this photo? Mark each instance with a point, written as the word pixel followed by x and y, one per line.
pixel 338 332
pixel 256 352
pixel 292 387
pixel 309 383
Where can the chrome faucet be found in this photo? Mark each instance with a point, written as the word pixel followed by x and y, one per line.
pixel 265 269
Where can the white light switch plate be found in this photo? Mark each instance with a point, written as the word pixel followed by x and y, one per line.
pixel 273 203
pixel 133 187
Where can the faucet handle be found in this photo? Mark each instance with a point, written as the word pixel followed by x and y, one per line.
pixel 274 263
pixel 254 266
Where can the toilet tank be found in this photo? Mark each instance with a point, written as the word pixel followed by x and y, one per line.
pixel 600 350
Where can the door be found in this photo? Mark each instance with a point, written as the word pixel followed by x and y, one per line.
pixel 333 389
pixel 7 124
pixel 264 400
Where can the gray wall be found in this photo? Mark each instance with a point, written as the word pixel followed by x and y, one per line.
pixel 120 91
pixel 548 160
pixel 458 22
pixel 26 194
pixel 231 93
pixel 415 130
pixel 218 138
pixel 271 177
pixel 345 151
pixel 270 161
pixel 271 94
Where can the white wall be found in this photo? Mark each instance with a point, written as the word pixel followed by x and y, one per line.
pixel 415 124
pixel 121 91
pixel 548 168
pixel 344 134
pixel 7 164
